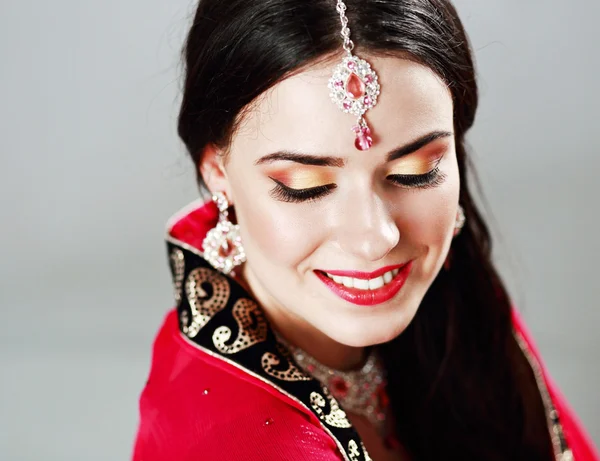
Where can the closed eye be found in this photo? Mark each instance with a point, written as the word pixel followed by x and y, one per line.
pixel 427 180
pixel 287 194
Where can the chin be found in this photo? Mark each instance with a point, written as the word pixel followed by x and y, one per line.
pixel 364 333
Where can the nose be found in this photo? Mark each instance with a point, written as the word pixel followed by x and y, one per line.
pixel 367 229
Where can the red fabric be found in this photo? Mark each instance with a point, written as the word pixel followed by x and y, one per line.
pixel 179 422
pixel 192 226
pixel 575 434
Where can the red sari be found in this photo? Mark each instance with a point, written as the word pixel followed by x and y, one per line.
pixel 222 387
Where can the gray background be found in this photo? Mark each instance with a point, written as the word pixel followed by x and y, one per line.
pixel 91 168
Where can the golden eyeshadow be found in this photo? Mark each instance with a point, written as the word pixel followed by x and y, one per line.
pixel 415 164
pixel 303 178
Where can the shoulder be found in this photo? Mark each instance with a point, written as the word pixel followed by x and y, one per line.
pixel 196 406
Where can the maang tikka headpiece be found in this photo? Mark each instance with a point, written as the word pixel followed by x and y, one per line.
pixel 354 86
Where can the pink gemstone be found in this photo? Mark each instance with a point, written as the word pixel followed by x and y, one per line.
pixel 351 65
pixel 339 387
pixel 339 84
pixel 363 140
pixel 369 78
pixel 347 105
pixel 355 86
pixel 367 101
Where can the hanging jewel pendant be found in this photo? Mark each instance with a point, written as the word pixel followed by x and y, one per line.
pixel 222 246
pixel 363 139
pixel 354 88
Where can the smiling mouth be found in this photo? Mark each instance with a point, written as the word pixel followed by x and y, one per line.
pixel 363 283
pixel 366 289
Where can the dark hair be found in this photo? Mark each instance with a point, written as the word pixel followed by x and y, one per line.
pixel 459 384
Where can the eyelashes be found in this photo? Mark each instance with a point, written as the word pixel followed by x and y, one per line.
pixel 287 194
pixel 427 180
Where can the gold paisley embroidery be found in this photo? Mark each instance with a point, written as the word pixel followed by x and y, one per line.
pixel 178 267
pixel 252 328
pixel 202 306
pixel 354 452
pixel 271 361
pixel 336 417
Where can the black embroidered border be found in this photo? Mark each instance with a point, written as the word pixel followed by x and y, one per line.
pixel 249 359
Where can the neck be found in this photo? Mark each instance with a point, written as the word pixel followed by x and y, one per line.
pixel 302 334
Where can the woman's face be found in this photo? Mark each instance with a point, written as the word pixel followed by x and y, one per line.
pixel 309 203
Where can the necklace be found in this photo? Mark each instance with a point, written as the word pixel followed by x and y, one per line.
pixel 359 391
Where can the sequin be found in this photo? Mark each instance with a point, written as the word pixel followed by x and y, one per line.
pixel 271 362
pixel 202 304
pixel 354 452
pixel 246 314
pixel 177 268
pixel 336 417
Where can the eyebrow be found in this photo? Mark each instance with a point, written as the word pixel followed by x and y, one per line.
pixel 304 159
pixel 319 160
pixel 417 144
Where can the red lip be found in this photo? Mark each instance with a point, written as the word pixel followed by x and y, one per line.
pixel 367 297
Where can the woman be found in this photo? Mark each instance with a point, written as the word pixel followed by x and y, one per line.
pixel 336 298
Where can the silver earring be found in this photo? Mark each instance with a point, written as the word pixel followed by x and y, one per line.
pixel 460 220
pixel 223 245
pixel 458 225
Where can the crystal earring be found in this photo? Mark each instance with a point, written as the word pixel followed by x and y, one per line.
pixel 460 220
pixel 223 245
pixel 458 225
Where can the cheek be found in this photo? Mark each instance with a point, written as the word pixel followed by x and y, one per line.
pixel 277 233
pixel 426 218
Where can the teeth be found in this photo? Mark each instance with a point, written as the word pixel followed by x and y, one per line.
pixel 348 282
pixel 337 279
pixel 375 283
pixel 363 284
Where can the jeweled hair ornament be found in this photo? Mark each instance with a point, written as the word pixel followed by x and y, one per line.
pixel 353 85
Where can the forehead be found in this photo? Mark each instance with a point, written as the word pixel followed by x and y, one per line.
pixel 297 114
